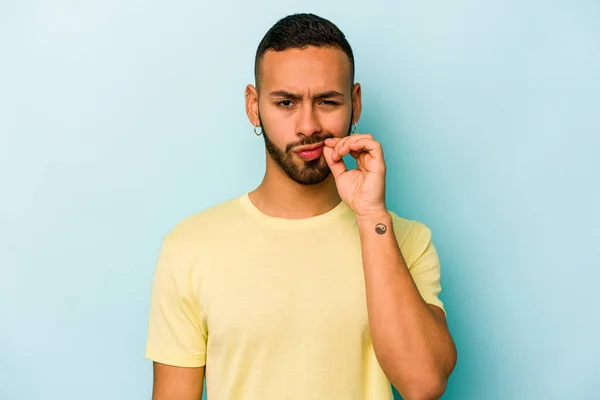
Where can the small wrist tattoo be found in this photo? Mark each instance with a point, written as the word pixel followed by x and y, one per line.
pixel 380 228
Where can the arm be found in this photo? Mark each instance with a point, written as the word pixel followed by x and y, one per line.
pixel 177 383
pixel 410 338
pixel 176 343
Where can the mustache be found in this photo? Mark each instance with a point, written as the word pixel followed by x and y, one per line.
pixel 308 141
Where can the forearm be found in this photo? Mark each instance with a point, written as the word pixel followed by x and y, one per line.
pixel 412 344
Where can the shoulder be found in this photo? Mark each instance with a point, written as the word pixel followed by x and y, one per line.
pixel 201 227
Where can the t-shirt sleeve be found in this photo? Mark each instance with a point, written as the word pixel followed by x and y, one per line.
pixel 174 333
pixel 424 264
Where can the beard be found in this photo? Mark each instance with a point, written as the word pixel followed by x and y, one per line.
pixel 307 172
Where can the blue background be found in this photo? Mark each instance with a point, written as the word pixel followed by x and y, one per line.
pixel 120 118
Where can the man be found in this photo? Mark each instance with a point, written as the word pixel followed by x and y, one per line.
pixel 307 287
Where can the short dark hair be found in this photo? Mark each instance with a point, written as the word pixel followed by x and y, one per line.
pixel 298 31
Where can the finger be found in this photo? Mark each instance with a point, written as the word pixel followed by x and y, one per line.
pixel 365 145
pixel 331 142
pixel 339 147
pixel 349 139
pixel 372 153
pixel 337 167
pixel 355 154
pixel 360 144
pixel 339 144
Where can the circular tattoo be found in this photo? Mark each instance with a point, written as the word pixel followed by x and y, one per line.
pixel 380 228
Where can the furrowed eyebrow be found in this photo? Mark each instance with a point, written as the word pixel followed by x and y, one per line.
pixel 293 96
pixel 286 94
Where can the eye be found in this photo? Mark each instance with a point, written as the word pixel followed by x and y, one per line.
pixel 329 103
pixel 285 103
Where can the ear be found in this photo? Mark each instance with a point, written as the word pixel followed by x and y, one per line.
pixel 251 95
pixel 356 102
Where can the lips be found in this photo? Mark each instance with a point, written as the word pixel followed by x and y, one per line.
pixel 309 153
pixel 308 147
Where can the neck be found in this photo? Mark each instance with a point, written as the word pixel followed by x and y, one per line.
pixel 279 196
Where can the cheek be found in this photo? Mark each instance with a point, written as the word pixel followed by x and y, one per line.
pixel 337 125
pixel 281 130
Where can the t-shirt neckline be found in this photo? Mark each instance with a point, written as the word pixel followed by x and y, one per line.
pixel 304 223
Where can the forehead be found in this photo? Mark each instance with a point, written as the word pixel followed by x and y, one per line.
pixel 312 69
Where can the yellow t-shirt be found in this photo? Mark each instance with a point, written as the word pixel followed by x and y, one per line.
pixel 275 308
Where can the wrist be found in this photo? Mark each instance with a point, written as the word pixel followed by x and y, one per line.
pixel 373 218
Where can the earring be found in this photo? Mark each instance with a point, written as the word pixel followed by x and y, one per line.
pixel 353 130
pixel 258 133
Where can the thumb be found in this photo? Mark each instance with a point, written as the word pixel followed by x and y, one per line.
pixel 337 167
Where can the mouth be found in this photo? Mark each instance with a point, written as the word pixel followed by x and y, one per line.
pixel 308 147
pixel 311 152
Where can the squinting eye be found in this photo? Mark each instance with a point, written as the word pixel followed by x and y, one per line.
pixel 329 103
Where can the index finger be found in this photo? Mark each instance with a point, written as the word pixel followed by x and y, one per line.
pixel 331 142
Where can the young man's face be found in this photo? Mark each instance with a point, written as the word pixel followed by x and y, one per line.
pixel 305 97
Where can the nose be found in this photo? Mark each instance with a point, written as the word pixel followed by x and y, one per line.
pixel 308 122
